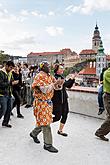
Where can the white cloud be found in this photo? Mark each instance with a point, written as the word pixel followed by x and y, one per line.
pixel 27 13
pixel 51 13
pixel 89 6
pixel 5 16
pixel 24 12
pixel 36 13
pixel 20 44
pixel 54 31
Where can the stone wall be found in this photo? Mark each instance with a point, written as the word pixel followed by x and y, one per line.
pixel 84 101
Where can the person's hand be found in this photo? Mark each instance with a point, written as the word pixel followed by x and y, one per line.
pixel 58 84
pixel 50 88
pixel 15 82
pixel 73 76
pixel 59 81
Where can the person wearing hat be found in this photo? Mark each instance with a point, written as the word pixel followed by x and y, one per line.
pixel 43 87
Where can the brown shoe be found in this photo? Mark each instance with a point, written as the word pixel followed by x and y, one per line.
pixel 102 137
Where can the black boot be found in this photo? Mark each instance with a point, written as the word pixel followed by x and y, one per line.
pixel 36 140
pixel 50 148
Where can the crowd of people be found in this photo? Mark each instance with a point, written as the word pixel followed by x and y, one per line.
pixel 15 89
pixel 35 87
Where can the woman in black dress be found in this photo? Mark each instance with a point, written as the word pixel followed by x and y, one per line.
pixel 60 99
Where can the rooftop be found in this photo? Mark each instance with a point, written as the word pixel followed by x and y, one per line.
pixel 87 52
pixel 88 71
pixel 44 53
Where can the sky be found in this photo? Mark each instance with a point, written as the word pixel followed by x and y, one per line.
pixel 51 25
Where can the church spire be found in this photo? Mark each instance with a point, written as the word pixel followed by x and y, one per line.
pixel 96 38
pixel 96 28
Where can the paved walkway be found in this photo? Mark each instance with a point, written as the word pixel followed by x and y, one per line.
pixel 81 147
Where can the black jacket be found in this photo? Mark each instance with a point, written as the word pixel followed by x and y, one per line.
pixel 60 96
pixel 5 84
pixel 16 76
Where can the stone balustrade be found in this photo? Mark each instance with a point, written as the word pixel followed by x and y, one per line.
pixel 83 100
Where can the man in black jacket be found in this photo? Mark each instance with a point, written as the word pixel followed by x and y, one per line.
pixel 6 81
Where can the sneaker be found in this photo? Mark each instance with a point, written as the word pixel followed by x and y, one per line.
pixel 20 116
pixel 61 133
pixel 6 125
pixel 102 137
pixel 36 140
pixel 50 149
pixel 100 111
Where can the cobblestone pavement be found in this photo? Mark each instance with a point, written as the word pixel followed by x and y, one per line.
pixel 81 147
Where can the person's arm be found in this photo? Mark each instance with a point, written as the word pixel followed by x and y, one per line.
pixel 39 84
pixel 20 79
pixel 12 80
pixel 69 83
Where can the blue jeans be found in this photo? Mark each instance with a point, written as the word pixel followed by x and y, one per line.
pixel 100 98
pixel 5 108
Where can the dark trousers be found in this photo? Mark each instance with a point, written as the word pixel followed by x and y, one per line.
pixel 105 127
pixel 61 112
pixel 5 108
pixel 16 103
pixel 23 94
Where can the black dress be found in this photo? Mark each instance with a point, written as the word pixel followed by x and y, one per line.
pixel 60 101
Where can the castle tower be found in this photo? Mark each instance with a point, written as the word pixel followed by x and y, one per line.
pixel 96 39
pixel 100 59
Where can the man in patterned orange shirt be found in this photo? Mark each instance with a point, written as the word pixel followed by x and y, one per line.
pixel 43 87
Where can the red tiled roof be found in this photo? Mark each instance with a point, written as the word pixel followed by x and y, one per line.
pixel 87 51
pixel 88 71
pixel 45 53
pixel 81 72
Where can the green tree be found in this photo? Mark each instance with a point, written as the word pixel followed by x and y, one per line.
pixel 3 57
